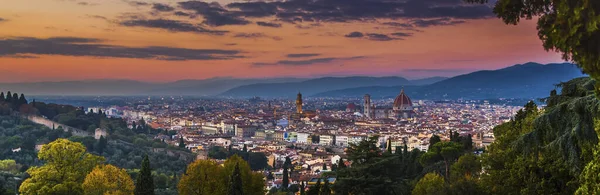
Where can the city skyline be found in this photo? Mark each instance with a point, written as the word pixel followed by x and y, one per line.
pixel 167 40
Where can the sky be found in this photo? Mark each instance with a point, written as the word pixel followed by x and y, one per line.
pixel 169 40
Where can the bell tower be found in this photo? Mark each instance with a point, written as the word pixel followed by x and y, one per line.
pixel 367 106
pixel 299 103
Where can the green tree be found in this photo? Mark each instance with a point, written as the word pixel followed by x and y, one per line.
pixel 108 179
pixel 324 167
pixel 144 184
pixel 286 166
pixel 202 178
pixel 434 140
pixel 9 97
pixel 2 98
pixel 101 145
pixel 67 165
pixel 315 189
pixel 181 142
pixel 326 190
pixel 235 182
pixel 447 152
pixel 430 184
pixel 253 183
pixel 389 146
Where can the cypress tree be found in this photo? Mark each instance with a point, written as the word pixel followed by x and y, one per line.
pixel 341 164
pixel 286 181
pixel 9 97
pixel 101 145
pixel 302 189
pixel 15 99
pixel 181 142
pixel 245 149
pixel 326 189
pixel 144 184
pixel 324 166
pixel 22 100
pixel 315 189
pixel 2 99
pixel 235 182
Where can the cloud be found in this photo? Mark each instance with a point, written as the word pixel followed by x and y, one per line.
pixel 213 13
pixel 255 36
pixel 2 19
pixel 97 17
pixel 354 35
pixel 302 55
pixel 303 62
pixel 170 25
pixel 436 22
pixel 136 3
pixel 402 34
pixel 86 4
pixel 378 37
pixel 76 46
pixel 358 10
pixel 180 13
pixel 162 7
pixel 268 24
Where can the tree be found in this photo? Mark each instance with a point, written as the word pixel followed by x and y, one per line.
pixel 144 184
pixel 235 182
pixel 302 189
pixel 567 26
pixel 108 179
pixel 286 166
pixel 326 190
pixel 9 166
pixel 430 184
pixel 341 164
pixel 2 98
pixel 443 151
pixel 101 145
pixel 590 177
pixel 315 189
pixel 202 177
pixel 22 100
pixel 434 140
pixel 181 142
pixel 270 176
pixel 324 166
pixel 67 165
pixel 9 97
pixel 253 182
pixel 258 161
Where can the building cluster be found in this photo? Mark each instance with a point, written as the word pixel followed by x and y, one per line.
pixel 313 133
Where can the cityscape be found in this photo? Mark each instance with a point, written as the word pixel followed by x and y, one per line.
pixel 299 97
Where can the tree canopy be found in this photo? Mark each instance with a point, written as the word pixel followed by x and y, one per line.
pixel 108 179
pixel 67 164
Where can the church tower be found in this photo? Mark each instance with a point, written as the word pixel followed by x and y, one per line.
pixel 367 106
pixel 299 103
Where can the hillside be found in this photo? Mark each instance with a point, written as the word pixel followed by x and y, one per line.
pixel 530 80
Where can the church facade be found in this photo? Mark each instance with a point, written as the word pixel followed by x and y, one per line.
pixel 401 109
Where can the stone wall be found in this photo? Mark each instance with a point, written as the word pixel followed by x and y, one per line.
pixel 52 124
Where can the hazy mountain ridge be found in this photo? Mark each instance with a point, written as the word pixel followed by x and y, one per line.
pixel 311 87
pixel 529 80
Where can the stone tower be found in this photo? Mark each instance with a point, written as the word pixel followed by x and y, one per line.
pixel 367 106
pixel 299 103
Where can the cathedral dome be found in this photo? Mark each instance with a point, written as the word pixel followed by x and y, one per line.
pixel 402 102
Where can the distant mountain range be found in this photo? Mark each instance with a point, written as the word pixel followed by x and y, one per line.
pixel 320 85
pixel 530 80
pixel 207 87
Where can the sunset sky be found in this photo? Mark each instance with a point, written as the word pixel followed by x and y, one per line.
pixel 168 40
